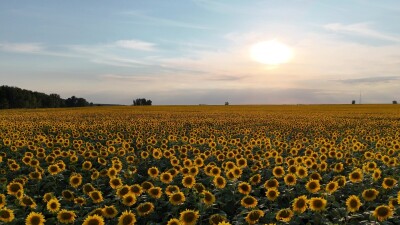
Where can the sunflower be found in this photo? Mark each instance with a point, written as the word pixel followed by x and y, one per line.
pixel 300 204
pixel 153 172
pixel 2 200
pixel 356 176
pixel 188 181
pixel 48 196
pixel 87 188
pixel 171 189
pixel 188 217
pixel 145 208
pixel 216 219
pixel 14 187
pixel 177 198
pixel 370 194
pixel 383 212
pixel 271 183
pixel 290 179
pixel 35 218
pixel 53 169
pixel 272 194
pixel 254 215
pixel 94 220
pixel 155 192
pixel 109 212
pixel 255 179
pixel 249 201
pixel 173 221
pixel 53 205
pixel 389 183
pixel 224 223
pixel 353 203
pixel 66 216
pixel 123 190
pixel 27 201
pixel 136 189
pixel 244 188
pixel 166 177
pixel 96 196
pixel 284 215
pixel 129 199
pixel 302 172
pixel 127 218
pixel 68 195
pixel 278 171
pixel 6 215
pixel 331 187
pixel 146 185
pixel 376 175
pixel 35 175
pixel 75 180
pixel 115 183
pixel 219 182
pixel 317 204
pixel 209 198
pixel 313 186
pixel 80 201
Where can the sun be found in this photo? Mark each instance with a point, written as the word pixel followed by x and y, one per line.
pixel 271 52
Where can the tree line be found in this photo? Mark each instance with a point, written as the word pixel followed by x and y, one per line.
pixel 14 97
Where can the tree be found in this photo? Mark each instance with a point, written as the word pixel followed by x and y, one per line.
pixel 141 101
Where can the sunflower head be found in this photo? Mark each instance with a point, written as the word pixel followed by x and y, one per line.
pixel 145 208
pixel 284 215
pixel 127 218
pixel 300 204
pixel 353 203
pixel 254 215
pixel 188 217
pixel 244 188
pixel 109 211
pixel 66 216
pixel 94 220
pixel 317 204
pixel 383 212
pixel 272 194
pixel 249 201
pixel 35 218
pixel 177 198
pixel 6 215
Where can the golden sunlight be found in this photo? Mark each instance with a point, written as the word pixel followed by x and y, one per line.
pixel 271 52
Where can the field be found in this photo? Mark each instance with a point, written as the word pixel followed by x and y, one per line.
pixel 330 164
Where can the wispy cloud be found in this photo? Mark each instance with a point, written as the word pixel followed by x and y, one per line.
pixel 152 20
pixel 136 45
pixel 22 47
pixel 126 78
pixel 360 29
pixel 370 80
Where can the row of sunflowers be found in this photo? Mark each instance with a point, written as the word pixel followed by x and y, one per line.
pixel 200 165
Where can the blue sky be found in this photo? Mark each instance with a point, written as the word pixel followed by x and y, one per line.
pixel 197 51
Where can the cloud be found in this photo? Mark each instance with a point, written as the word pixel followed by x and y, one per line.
pixel 21 47
pixel 151 20
pixel 126 78
pixel 369 80
pixel 136 45
pixel 360 29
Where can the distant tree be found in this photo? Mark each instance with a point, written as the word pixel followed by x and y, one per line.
pixel 394 102
pixel 141 101
pixel 14 97
pixel 353 102
pixel 226 103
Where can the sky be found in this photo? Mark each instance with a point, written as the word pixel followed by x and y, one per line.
pixel 198 51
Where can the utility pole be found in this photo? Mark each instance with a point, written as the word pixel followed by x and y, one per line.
pixel 360 97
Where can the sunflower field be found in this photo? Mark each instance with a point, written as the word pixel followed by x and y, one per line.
pixel 186 165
